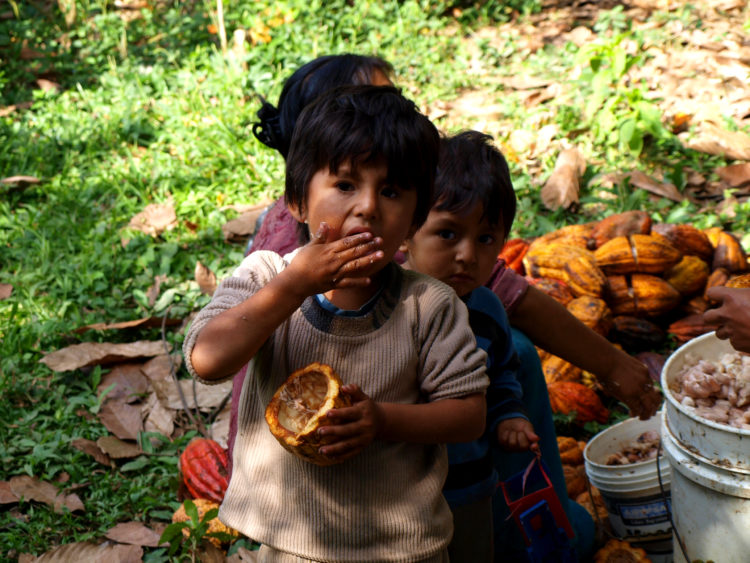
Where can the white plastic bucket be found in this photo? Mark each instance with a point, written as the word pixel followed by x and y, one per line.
pixel 710 471
pixel 635 503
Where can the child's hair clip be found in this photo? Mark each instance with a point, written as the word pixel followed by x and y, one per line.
pixel 268 129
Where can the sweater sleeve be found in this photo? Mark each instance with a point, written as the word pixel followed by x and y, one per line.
pixel 451 363
pixel 253 273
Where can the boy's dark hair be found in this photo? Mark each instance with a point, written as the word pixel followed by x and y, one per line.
pixel 472 170
pixel 362 124
pixel 276 124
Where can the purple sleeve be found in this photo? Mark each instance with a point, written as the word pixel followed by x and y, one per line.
pixel 278 231
pixel 508 285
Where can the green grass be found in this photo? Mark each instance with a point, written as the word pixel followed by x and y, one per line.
pixel 149 109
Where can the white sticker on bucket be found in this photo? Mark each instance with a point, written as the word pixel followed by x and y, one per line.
pixel 640 517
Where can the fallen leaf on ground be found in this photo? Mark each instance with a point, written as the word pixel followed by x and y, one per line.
pixel 19 180
pixel 5 290
pixel 155 219
pixel 122 419
pixel 98 353
pixel 663 189
pixel 124 382
pixel 206 278
pixel 563 186
pixel 157 417
pixel 6 493
pixel 208 396
pixel 91 448
pixel 219 429
pixel 243 226
pixel 133 533
pixel 712 139
pixel 146 322
pixel 31 488
pixel 87 551
pixel 118 449
pixel 161 366
pixel 735 174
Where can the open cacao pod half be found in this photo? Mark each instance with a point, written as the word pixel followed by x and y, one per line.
pixel 298 409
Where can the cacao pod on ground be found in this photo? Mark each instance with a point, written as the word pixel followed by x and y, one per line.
pixel 729 254
pixel 618 225
pixel 636 333
pixel 688 239
pixel 204 469
pixel 593 312
pixel 641 295
pixel 513 252
pixel 636 254
pixel 688 276
pixel 215 526
pixel 568 396
pixel 689 327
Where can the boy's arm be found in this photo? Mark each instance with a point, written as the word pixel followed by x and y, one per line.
pixel 444 421
pixel 552 327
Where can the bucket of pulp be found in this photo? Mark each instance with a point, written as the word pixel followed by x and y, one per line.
pixel 710 468
pixel 638 506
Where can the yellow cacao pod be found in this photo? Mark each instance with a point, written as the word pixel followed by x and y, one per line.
pixel 618 225
pixel 557 369
pixel 729 254
pixel 593 312
pixel 689 240
pixel 641 295
pixel 689 275
pixel 636 254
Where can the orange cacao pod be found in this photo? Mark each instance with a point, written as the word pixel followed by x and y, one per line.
pixel 729 254
pixel 718 277
pixel 569 396
pixel 689 275
pixel 513 252
pixel 618 225
pixel 569 235
pixel 570 451
pixel 641 295
pixel 203 466
pixel 298 409
pixel 557 289
pixel 689 240
pixel 689 327
pixel 557 369
pixel 636 333
pixel 575 479
pixel 573 265
pixel 215 526
pixel 620 551
pixel 742 281
pixel 636 253
pixel 593 312
pixel 696 304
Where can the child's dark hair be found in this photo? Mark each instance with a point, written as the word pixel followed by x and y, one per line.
pixel 362 124
pixel 472 170
pixel 276 124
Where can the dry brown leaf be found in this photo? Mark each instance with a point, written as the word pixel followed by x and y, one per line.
pixel 206 278
pixel 157 417
pixel 243 226
pixel 155 219
pixel 133 533
pixel 127 381
pixel 5 290
pixel 209 553
pixel 563 186
pixel 106 552
pixel 145 322
pixel 244 555
pixel 99 353
pixel 712 139
pixel 219 430
pixel 122 419
pixel 20 180
pixel 118 449
pixel 663 189
pixel 161 366
pixel 91 448
pixel 6 493
pixel 153 291
pixel 209 396
pixel 735 175
pixel 31 488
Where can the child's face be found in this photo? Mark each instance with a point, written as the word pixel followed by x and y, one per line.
pixel 354 200
pixel 459 250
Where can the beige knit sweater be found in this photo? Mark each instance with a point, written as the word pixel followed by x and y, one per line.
pixel 385 504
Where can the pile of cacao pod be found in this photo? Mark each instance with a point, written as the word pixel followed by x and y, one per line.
pixel 634 281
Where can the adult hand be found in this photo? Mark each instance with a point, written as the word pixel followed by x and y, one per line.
pixel 732 316
pixel 629 381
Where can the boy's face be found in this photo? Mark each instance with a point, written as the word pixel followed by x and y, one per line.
pixel 459 250
pixel 355 200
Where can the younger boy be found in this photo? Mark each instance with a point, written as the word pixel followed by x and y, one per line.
pixel 360 172
pixel 458 244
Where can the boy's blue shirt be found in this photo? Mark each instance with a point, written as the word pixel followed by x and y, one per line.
pixel 471 475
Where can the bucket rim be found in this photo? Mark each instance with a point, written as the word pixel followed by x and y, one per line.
pixel 615 428
pixel 674 403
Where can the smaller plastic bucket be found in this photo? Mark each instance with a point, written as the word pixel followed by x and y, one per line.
pixel 638 511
